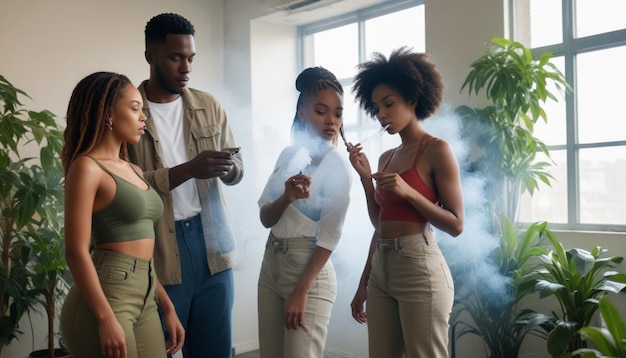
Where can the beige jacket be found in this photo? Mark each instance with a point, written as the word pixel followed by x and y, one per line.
pixel 206 128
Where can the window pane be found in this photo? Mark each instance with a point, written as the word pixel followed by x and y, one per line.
pixel 403 28
pixel 554 131
pixel 350 109
pixel 538 22
pixel 602 194
pixel 601 93
pixel 598 16
pixel 337 50
pixel 548 203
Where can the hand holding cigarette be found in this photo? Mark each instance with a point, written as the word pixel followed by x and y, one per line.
pixel 297 187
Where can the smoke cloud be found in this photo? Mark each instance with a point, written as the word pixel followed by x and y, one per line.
pixel 470 251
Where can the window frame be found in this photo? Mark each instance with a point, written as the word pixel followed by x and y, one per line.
pixel 360 17
pixel 570 47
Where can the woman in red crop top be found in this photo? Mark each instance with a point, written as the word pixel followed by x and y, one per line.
pixel 406 280
pixel 111 310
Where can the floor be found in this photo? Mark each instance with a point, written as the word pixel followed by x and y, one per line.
pixel 253 354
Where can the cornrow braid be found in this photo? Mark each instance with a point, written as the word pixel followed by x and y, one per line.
pixel 311 81
pixel 87 113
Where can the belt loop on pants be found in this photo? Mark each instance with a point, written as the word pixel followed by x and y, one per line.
pixel 396 243
pixel 278 244
pixel 393 243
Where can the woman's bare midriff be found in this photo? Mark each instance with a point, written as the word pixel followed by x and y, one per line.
pixel 389 229
pixel 143 248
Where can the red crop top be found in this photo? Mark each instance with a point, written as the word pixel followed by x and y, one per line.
pixel 392 207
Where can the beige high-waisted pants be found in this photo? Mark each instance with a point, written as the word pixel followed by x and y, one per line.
pixel 130 287
pixel 283 264
pixel 409 299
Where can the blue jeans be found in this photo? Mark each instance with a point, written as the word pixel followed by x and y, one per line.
pixel 203 301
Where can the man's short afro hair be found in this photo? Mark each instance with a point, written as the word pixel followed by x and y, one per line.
pixel 164 24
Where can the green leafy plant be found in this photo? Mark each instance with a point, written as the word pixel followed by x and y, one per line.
pixel 30 194
pixel 610 340
pixel 578 279
pixel 517 85
pixel 49 269
pixel 494 315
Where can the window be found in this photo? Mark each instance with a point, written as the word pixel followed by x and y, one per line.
pixel 341 43
pixel 586 131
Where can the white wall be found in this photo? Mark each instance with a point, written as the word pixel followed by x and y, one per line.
pixel 250 65
pixel 48 46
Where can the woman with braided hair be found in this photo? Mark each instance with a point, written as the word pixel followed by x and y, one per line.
pixel 304 203
pixel 110 209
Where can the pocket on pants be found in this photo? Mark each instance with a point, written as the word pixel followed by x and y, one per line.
pixel 413 251
pixel 448 275
pixel 298 258
pixel 110 274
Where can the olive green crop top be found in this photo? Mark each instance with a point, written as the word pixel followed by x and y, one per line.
pixel 129 216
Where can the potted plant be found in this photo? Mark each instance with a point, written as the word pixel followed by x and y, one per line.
pixel 578 279
pixel 48 277
pixel 610 340
pixel 30 196
pixel 517 86
pixel 494 315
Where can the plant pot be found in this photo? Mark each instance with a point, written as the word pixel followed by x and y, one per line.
pixel 43 353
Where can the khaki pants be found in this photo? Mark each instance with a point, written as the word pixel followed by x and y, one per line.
pixel 130 287
pixel 283 263
pixel 409 299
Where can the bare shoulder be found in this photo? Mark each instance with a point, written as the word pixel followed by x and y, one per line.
pixel 83 167
pixel 384 158
pixel 83 174
pixel 439 151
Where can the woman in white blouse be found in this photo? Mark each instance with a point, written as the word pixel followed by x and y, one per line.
pixel 304 203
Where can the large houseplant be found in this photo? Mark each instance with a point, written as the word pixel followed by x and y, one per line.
pixel 493 311
pixel 517 85
pixel 578 279
pixel 30 199
pixel 610 340
pixel 49 269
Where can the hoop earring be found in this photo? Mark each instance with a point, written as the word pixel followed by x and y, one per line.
pixel 109 124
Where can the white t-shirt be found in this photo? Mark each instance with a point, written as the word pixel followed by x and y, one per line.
pixel 168 118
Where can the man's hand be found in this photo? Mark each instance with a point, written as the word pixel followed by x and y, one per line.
pixel 211 164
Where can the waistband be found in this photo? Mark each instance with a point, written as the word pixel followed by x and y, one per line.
pixel 98 256
pixel 194 219
pixel 290 243
pixel 396 243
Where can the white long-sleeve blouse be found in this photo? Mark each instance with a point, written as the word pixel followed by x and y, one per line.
pixel 323 213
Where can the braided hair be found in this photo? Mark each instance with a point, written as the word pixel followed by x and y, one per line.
pixel 87 114
pixel 309 82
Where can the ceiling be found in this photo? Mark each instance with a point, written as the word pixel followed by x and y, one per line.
pixel 298 12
